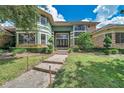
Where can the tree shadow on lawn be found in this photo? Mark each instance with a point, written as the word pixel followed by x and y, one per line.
pixel 8 61
pixel 95 75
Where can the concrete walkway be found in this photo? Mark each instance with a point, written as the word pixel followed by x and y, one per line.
pixel 39 76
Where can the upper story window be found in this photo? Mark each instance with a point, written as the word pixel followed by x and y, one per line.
pixel 80 27
pixel 43 20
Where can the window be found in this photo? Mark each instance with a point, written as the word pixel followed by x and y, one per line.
pixel 80 27
pixel 76 41
pixel 62 36
pixel 119 37
pixel 25 38
pixel 43 20
pixel 43 39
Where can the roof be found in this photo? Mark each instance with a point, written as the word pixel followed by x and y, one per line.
pixel 109 26
pixel 46 14
pixel 8 29
pixel 64 23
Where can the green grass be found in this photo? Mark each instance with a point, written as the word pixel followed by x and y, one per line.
pixel 90 70
pixel 10 69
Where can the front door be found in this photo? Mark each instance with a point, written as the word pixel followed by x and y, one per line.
pixel 62 40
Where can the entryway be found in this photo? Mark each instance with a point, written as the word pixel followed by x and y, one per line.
pixel 62 40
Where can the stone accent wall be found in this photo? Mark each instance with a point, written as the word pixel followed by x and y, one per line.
pixel 98 41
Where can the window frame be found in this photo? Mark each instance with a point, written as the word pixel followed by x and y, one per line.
pixel 120 38
pixel 43 20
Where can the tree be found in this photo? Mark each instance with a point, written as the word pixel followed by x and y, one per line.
pixel 107 42
pixel 84 41
pixel 24 17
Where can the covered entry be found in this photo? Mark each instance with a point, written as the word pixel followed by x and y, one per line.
pixel 61 39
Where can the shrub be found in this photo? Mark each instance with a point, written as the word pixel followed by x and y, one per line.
pixel 76 49
pixel 18 50
pixel 114 51
pixel 85 41
pixel 121 51
pixel 107 42
pixel 69 50
pixel 107 52
pixel 36 50
pixel 1 50
pixel 111 51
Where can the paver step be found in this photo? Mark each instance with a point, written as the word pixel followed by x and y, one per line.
pixel 44 67
pixel 53 62
pixel 62 52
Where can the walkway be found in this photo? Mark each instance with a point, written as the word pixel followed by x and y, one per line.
pixel 38 77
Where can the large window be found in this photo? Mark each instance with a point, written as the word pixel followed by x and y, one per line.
pixel 80 27
pixel 43 20
pixel 43 39
pixel 119 37
pixel 62 36
pixel 25 38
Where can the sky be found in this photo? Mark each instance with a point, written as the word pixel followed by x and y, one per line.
pixel 105 14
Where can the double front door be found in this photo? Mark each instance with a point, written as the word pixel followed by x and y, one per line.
pixel 62 40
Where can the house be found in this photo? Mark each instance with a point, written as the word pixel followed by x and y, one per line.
pixel 65 33
pixel 114 31
pixel 6 36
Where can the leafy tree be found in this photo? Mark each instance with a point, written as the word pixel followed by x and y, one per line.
pixel 24 17
pixel 107 42
pixel 84 41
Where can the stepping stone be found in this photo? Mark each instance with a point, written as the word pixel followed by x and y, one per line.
pixel 44 67
pixel 53 62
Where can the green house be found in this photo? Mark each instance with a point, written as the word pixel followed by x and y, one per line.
pixel 64 33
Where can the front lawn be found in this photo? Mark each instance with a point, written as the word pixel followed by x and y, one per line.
pixel 9 69
pixel 91 70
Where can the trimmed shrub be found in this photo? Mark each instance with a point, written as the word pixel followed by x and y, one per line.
pixel 107 42
pixel 1 50
pixel 107 52
pixel 36 50
pixel 111 51
pixel 18 50
pixel 69 50
pixel 114 51
pixel 76 49
pixel 121 51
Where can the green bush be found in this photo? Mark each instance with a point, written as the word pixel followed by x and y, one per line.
pixel 107 52
pixel 36 50
pixel 18 50
pixel 76 49
pixel 69 50
pixel 107 42
pixel 114 51
pixel 1 50
pixel 121 51
pixel 85 41
pixel 111 51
